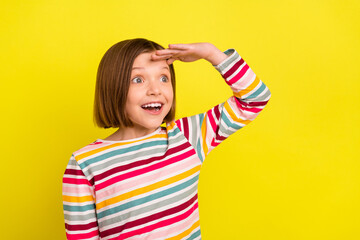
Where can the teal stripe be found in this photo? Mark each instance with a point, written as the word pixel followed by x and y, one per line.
pixel 122 151
pixel 194 235
pixel 158 151
pixel 174 132
pixel 79 208
pixel 198 150
pixel 257 93
pixel 176 198
pixel 148 198
pixel 201 118
pixel 228 122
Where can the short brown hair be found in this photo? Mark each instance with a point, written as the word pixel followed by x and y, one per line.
pixel 113 82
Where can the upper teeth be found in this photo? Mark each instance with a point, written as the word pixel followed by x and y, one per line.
pixel 152 105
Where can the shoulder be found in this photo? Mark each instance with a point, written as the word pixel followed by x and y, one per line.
pixel 90 148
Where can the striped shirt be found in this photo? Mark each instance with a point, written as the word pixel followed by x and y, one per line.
pixel 146 188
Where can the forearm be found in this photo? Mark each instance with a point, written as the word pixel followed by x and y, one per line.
pixel 215 56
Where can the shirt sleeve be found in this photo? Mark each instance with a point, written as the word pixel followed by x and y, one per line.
pixel 79 204
pixel 207 130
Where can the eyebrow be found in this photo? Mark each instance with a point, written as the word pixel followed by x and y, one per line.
pixel 143 68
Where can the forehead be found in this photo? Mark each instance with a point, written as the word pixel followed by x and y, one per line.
pixel 144 61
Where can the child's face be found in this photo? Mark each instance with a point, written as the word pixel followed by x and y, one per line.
pixel 150 95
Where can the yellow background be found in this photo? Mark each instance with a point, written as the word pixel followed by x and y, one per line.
pixel 293 173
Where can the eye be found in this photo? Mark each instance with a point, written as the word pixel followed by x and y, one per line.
pixel 164 79
pixel 137 80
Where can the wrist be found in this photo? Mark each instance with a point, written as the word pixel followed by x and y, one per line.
pixel 216 56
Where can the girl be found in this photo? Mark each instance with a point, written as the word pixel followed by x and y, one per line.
pixel 141 182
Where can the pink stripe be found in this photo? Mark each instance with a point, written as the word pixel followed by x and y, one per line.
pixel 90 147
pixel 246 81
pixel 76 189
pixel 164 223
pixel 83 235
pixel 138 172
pixel 239 75
pixel 76 181
pixel 148 178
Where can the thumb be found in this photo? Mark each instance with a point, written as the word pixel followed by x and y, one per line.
pixel 170 61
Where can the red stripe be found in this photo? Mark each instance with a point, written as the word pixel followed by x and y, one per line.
pixel 238 75
pixel 178 123
pixel 80 227
pixel 82 235
pixel 252 104
pixel 214 143
pixel 138 172
pixel 211 120
pixel 74 172
pixel 233 68
pixel 136 164
pixel 186 127
pixel 76 181
pixel 239 105
pixel 217 112
pixel 220 138
pixel 148 219
pixel 163 224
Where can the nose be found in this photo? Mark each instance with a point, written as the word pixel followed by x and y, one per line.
pixel 153 88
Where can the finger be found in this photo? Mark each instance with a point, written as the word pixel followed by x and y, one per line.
pixel 167 52
pixel 162 57
pixel 170 61
pixel 179 46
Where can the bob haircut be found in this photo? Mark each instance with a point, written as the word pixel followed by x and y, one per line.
pixel 113 82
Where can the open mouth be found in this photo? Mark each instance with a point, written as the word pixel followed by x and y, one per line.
pixel 152 106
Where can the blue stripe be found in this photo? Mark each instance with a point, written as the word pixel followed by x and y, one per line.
pixel 148 198
pixel 122 151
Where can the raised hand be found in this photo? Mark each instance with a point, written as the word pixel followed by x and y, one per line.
pixel 189 53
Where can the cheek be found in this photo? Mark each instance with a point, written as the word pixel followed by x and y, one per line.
pixel 128 110
pixel 170 94
pixel 130 105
